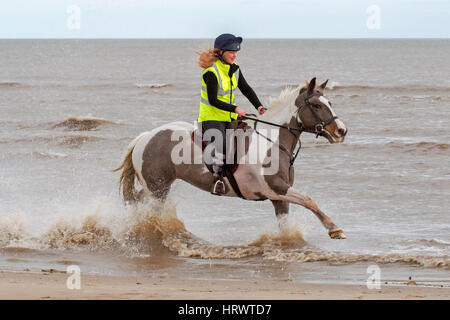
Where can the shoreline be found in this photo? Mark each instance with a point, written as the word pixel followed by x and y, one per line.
pixel 51 285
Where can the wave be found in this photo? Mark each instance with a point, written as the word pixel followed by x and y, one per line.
pixel 428 245
pixel 98 85
pixel 357 88
pixel 153 85
pixel 421 145
pixel 71 140
pixel 28 155
pixel 28 139
pixel 76 140
pixel 9 84
pixel 49 155
pixel 82 124
pixel 62 84
pixel 143 233
pixel 343 258
pixel 435 243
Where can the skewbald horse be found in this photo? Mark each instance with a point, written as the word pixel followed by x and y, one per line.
pixel 150 156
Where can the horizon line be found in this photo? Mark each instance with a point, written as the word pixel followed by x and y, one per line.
pixel 249 38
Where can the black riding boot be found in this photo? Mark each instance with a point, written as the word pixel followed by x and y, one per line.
pixel 218 160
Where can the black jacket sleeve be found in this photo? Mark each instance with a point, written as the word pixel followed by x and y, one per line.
pixel 212 88
pixel 248 91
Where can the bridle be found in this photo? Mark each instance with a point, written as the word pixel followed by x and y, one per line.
pixel 318 130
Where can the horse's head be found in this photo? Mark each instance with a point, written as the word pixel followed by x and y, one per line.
pixel 315 115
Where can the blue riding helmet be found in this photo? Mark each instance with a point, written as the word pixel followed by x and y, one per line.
pixel 228 42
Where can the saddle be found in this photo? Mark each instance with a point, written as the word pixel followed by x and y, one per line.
pixel 228 168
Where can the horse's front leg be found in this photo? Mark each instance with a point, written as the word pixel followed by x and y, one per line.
pixel 287 193
pixel 281 211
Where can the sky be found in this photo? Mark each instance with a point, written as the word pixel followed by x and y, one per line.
pixel 209 18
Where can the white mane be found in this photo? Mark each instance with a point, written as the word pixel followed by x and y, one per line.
pixel 282 108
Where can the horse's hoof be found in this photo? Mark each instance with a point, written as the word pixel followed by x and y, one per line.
pixel 337 234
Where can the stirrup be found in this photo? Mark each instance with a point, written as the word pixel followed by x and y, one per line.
pixel 219 188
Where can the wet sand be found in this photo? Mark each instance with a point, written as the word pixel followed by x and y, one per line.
pixel 52 285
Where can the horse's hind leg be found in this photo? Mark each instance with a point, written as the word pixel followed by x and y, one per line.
pixel 159 187
pixel 158 173
pixel 144 193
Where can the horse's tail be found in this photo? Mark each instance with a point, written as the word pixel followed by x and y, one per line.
pixel 126 182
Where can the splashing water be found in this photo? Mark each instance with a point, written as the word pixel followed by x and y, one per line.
pixel 139 231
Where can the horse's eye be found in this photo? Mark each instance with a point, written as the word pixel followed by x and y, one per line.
pixel 317 106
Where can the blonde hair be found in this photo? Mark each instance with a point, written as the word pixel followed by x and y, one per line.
pixel 207 57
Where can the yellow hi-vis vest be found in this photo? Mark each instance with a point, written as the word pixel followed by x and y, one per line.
pixel 225 93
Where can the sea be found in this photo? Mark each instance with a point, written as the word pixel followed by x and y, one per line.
pixel 69 109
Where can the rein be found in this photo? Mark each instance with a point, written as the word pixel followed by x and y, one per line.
pixel 318 129
pixel 267 122
pixel 270 140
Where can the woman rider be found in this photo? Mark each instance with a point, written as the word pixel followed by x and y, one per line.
pixel 220 77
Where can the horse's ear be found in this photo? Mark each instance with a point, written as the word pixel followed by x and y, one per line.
pixel 311 86
pixel 323 85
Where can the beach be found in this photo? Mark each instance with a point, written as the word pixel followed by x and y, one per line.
pixel 52 285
